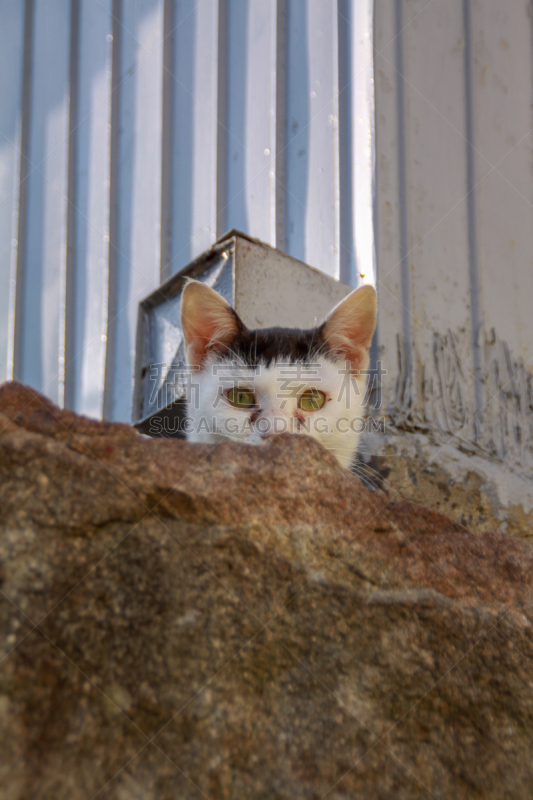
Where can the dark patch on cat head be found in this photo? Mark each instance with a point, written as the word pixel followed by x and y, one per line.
pixel 265 346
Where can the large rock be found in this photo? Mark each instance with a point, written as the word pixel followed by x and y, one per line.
pixel 186 621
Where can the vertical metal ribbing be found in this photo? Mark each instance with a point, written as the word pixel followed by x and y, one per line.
pixel 321 185
pixel 42 357
pixel 405 283
pixel 233 127
pixel 252 128
pixel 88 209
pixel 334 121
pixel 221 148
pixel 196 155
pixel 69 337
pixel 188 137
pixel 167 139
pixel 346 126
pixel 67 264
pixel 27 71
pixel 114 188
pixel 278 137
pixel 138 224
pixel 296 130
pixel 373 151
pixel 11 66
pixel 375 349
pixel 475 307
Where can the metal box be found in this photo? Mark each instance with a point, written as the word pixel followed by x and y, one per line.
pixel 265 286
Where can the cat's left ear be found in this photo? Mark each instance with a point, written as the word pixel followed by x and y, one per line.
pixel 208 322
pixel 349 328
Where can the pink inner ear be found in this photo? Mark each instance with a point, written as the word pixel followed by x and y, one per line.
pixel 207 321
pixel 350 327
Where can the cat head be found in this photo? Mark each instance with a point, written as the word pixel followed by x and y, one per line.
pixel 251 384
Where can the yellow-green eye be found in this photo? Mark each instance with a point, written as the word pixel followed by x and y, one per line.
pixel 241 398
pixel 311 400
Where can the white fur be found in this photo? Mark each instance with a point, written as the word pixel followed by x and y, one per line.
pixel 337 425
pixel 209 327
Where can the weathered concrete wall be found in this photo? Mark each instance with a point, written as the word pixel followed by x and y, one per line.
pixel 454 182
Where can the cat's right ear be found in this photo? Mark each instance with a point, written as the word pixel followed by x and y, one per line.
pixel 208 322
pixel 349 328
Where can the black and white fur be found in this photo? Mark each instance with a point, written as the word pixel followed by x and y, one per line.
pixel 331 358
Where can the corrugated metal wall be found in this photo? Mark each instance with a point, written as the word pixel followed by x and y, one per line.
pixel 133 133
pixel 454 181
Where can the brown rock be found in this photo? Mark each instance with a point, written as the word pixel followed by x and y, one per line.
pixel 188 621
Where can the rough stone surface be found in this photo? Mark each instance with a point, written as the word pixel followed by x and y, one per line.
pixel 188 621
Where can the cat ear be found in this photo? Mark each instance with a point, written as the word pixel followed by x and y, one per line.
pixel 208 322
pixel 349 328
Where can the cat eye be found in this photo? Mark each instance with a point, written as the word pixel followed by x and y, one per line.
pixel 241 398
pixel 311 400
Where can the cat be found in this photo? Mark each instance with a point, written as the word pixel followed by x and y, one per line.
pixel 252 384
